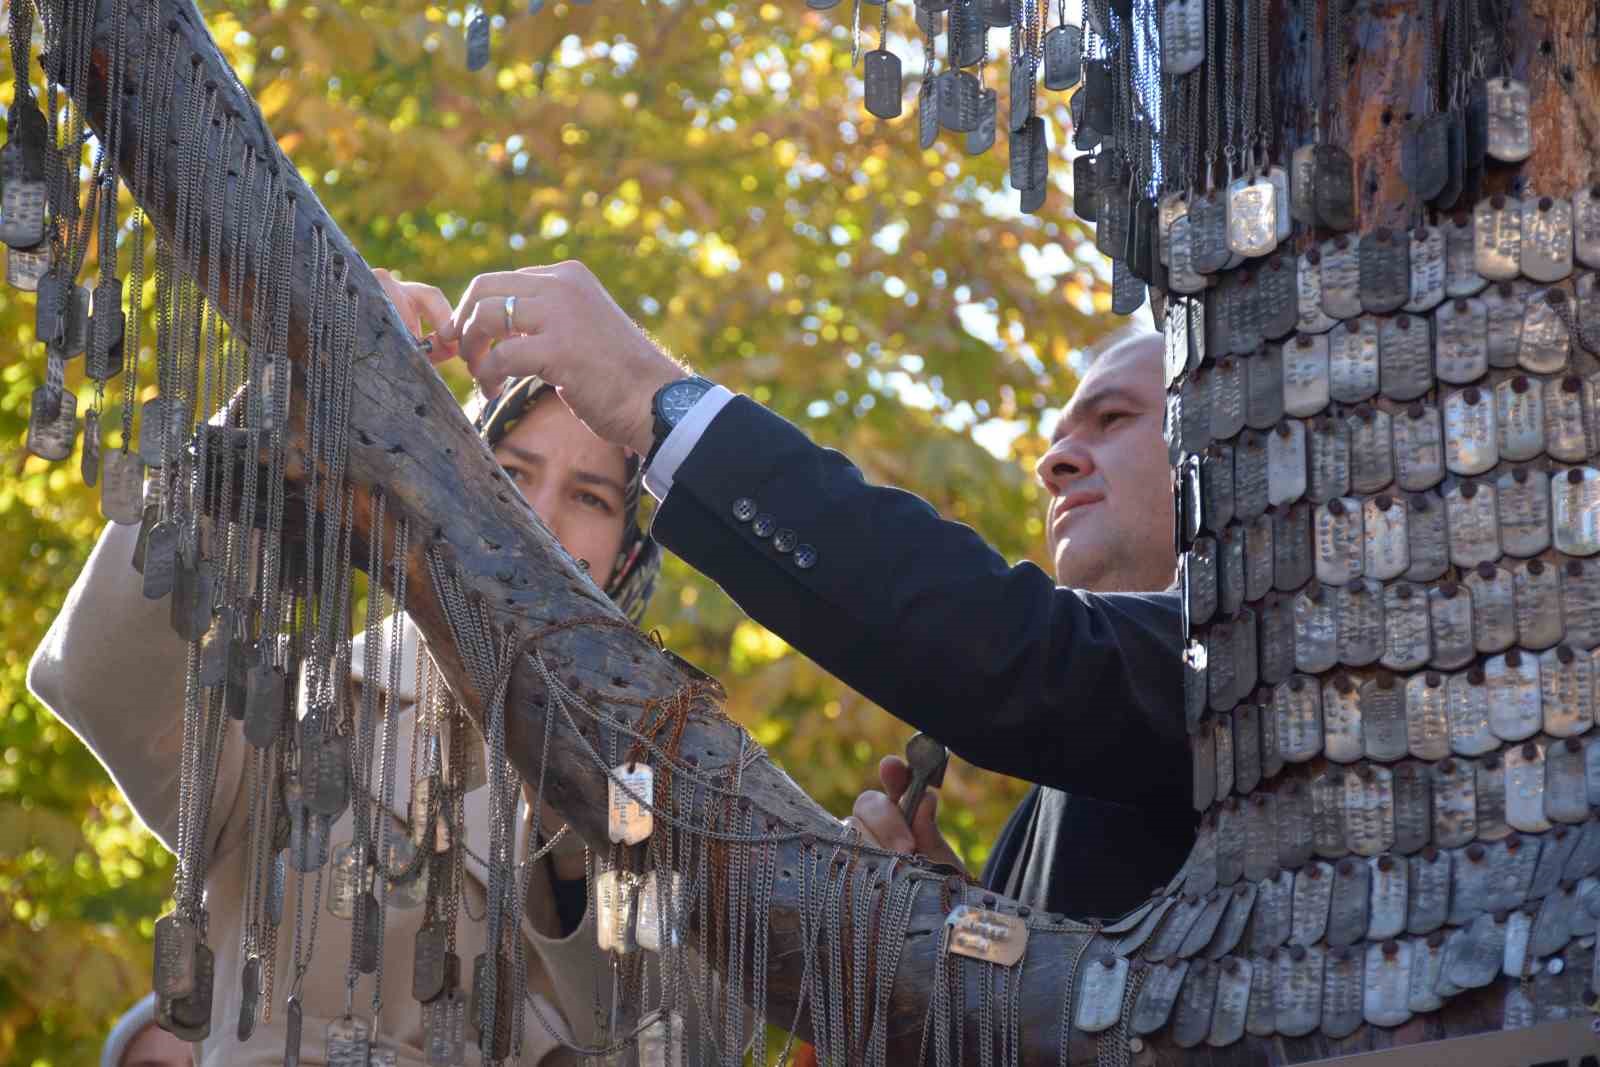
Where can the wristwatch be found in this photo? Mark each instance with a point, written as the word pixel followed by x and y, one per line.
pixel 670 404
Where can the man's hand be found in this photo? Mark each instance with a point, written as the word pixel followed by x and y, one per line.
pixel 560 323
pixel 877 816
pixel 418 303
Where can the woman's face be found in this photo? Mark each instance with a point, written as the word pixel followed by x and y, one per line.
pixel 571 478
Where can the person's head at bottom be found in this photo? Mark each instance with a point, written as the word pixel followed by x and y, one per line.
pixel 1108 526
pixel 136 1041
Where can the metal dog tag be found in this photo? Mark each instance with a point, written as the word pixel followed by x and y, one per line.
pixel 1525 789
pixel 1524 519
pixel 1471 437
pixel 1182 277
pixel 1063 57
pixel 1586 226
pixel 1427 714
pixel 1505 307
pixel 1316 631
pixel 1252 207
pixel 613 903
pixel 1208 220
pixel 1575 511
pixel 1491 789
pixel 1329 455
pixel 1428 894
pixel 1384 266
pixel 1371 454
pixel 1338 541
pixel 1230 570
pixel 1471 515
pixel 1341 277
pixel 1580 603
pixel 121 486
pixel 1450 626
pixel 1474 956
pixel 992 936
pixel 1250 478
pixel 1327 809
pixel 1369 815
pixel 1271 913
pixel 1497 247
pixel 1566 691
pixel 1158 995
pixel 881 83
pixel 52 423
pixel 325 773
pixel 1297 707
pixel 1585 858
pixel 1467 701
pixel 1258 558
pixel 176 939
pixel 1546 342
pixel 958 112
pixel 1200 581
pixel 1428 544
pixel 1308 291
pixel 1227 398
pixel 1101 992
pixel 1565 796
pixel 1306 375
pixel 1538 604
pixel 1205 925
pixel 1386 550
pixel 1514 861
pixel 1222 745
pixel 1413 806
pixel 1471 885
pixel 1341 739
pixel 1553 856
pixel 27 267
pixel 1203 756
pixel 1234 982
pixel 1222 668
pixel 1313 889
pixel 1494 618
pixel 1334 187
pixel 1510 136
pixel 632 786
pixel 1277 297
pixel 1192 1020
pixel 1353 362
pixel 1425 154
pixel 1406 643
pixel 1260 838
pixel 1552 926
pixel 1513 681
pixel 968 34
pixel 1263 407
pixel 1387 983
pixel 1461 277
pixel 1347 917
pixel 981 137
pixel 1183 40
pixel 1291 547
pixel 1426 259
pixel 1297 993
pixel 1566 436
pixel 928 118
pixel 1546 239
pixel 1462 354
pixel 1418 447
pixel 1455 798
pixel 1406 357
pixel 1194 424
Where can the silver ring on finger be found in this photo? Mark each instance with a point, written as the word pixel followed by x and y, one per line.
pixel 511 316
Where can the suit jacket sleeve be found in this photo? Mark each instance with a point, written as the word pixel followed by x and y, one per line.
pixel 1066 688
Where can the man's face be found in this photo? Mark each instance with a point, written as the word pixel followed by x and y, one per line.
pixel 1109 523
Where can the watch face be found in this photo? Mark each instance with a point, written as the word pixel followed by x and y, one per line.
pixel 679 398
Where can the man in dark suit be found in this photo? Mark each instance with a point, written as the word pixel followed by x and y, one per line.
pixel 1077 690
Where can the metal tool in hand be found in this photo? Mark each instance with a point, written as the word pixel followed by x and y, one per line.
pixel 928 759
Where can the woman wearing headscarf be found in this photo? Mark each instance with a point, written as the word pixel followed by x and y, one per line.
pixel 587 492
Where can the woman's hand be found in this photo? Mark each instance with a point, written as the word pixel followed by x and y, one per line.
pixel 417 303
pixel 560 323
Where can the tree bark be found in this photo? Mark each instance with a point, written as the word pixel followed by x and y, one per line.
pixel 409 438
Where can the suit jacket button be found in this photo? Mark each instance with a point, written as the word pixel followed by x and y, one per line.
pixel 784 540
pixel 744 509
pixel 805 557
pixel 763 525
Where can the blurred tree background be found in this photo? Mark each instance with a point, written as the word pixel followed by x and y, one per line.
pixel 711 161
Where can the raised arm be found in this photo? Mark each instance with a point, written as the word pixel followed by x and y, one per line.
pixel 1014 673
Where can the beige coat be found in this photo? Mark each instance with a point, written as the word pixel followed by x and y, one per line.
pixel 113 670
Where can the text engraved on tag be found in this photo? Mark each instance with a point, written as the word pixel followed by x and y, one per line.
pixel 1428 891
pixel 1426 258
pixel 1471 514
pixel 1523 500
pixel 1298 992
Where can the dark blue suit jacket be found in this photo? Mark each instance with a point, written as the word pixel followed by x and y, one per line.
pixel 1076 691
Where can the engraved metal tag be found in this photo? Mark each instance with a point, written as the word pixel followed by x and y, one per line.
pixel 1413 807
pixel 1575 511
pixel 1497 241
pixel 1250 478
pixel 881 81
pixel 1470 884
pixel 1546 342
pixel 1565 796
pixel 1230 843
pixel 1418 447
pixel 1473 957
pixel 1450 626
pixel 1471 438
pixel 1063 57
pixel 1586 226
pixel 1221 668
pixel 1369 798
pixel 1341 742
pixel 1205 924
pixel 1306 375
pixel 1260 839
pixel 1230 570
pixel 1494 618
pixel 1298 991
pixel 1341 277
pixel 1277 308
pixel 1510 136
pixel 1196 1001
pixel 1472 517
pixel 1227 398
pixel 175 941
pixel 1234 982
pixel 1525 788
pixel 1406 357
pixel 1425 155
pixel 160 559
pixel 1491 789
pixel 1308 290
pixel 1291 547
pixel 1455 812
pixel 1182 277
pixel 1461 277
pixel 928 121
pixel 1427 712
pixel 1297 707
pixel 1428 544
pixel 1428 894
pixel 1514 703
pixel 325 773
pixel 1264 389
pixel 630 819
pixel 1462 353
pixel 1271 913
pixel 1406 637
pixel 1100 993
pixel 1338 541
pixel 1565 419
pixel 52 423
pixel 1334 187
pixel 1208 221
pixel 1546 239
pixel 26 267
pixel 1158 995
pixel 958 111
pixel 1426 258
pixel 992 936
pixel 1252 207
pixel 1200 581
pixel 1384 267
pixel 1467 701
pixel 1183 41
pixel 1387 983
pixel 1523 499
pixel 1353 361
pixel 614 893
pixel 1505 307
pixel 1349 900
pixel 1258 558
pixel 981 137
pixel 1580 603
pixel 1316 631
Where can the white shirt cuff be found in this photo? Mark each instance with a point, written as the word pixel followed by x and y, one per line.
pixel 681 441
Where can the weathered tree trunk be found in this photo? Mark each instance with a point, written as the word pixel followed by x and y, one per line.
pixel 409 437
